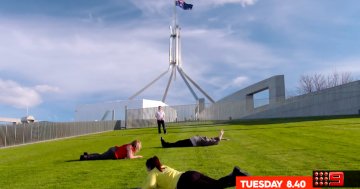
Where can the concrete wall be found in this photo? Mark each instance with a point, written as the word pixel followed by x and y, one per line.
pixel 340 100
pixel 275 84
pixel 242 101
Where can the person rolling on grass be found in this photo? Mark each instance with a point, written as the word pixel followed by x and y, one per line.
pixel 126 151
pixel 195 141
pixel 164 177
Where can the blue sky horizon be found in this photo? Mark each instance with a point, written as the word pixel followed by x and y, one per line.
pixel 59 54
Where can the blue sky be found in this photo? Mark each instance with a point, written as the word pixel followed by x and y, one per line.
pixel 57 54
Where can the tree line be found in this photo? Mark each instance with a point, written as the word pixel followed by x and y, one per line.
pixel 309 83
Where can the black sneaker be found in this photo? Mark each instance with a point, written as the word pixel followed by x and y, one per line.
pixel 238 172
pixel 162 142
pixel 230 180
pixel 82 158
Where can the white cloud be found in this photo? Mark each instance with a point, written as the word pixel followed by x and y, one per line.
pixel 239 81
pixel 213 19
pixel 11 93
pixel 84 59
pixel 351 65
pixel 47 88
pixel 237 53
pixel 222 2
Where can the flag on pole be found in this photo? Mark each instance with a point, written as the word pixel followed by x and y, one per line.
pixel 183 5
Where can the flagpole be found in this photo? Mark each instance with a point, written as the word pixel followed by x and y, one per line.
pixel 175 14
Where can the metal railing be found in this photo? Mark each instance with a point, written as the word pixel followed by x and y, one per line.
pixel 19 134
pixel 321 103
pixel 342 100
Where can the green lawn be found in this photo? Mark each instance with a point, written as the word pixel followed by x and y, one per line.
pixel 262 148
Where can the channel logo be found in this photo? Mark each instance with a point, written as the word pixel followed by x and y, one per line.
pixel 322 179
pixel 325 178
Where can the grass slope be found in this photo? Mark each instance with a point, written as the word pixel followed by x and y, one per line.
pixel 262 148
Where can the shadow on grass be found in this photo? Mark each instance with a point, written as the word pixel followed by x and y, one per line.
pixel 185 147
pixel 77 160
pixel 251 122
pixel 72 160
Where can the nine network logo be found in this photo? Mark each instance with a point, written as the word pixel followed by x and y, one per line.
pixel 322 179
pixel 330 179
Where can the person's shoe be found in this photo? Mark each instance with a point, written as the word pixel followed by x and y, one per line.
pixel 166 133
pixel 159 133
pixel 230 180
pixel 238 172
pixel 85 154
pixel 163 143
pixel 82 158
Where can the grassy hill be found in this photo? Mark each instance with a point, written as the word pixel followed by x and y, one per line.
pixel 262 148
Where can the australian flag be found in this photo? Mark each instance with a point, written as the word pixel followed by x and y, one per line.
pixel 183 5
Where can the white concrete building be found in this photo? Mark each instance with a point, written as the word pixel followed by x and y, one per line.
pixel 92 112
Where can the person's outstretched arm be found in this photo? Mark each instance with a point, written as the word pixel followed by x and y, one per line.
pixel 130 154
pixel 221 134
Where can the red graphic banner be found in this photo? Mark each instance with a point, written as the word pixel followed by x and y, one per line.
pixel 303 182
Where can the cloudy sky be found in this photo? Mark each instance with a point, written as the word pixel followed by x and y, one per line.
pixel 57 54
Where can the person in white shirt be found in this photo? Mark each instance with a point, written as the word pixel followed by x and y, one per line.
pixel 160 116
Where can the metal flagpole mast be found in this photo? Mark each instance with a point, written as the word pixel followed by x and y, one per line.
pixel 176 36
pixel 175 13
pixel 175 65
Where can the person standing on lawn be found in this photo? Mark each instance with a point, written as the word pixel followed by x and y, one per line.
pixel 160 116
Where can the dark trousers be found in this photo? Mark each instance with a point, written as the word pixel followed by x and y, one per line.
pixel 180 143
pixel 161 122
pixel 196 180
pixel 110 154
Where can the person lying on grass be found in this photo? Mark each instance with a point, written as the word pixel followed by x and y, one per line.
pixel 164 177
pixel 126 151
pixel 195 141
